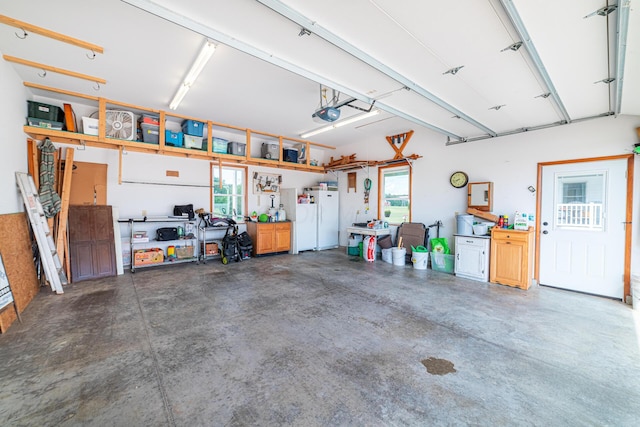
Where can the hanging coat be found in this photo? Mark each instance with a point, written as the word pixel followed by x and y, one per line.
pixel 49 199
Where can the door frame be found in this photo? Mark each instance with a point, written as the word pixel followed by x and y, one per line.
pixel 628 215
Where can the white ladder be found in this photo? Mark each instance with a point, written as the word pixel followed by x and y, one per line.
pixel 46 246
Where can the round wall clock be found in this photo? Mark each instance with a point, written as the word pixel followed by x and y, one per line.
pixel 459 179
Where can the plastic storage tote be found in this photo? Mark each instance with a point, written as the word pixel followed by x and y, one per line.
pixel 191 141
pixel 39 110
pixel 150 133
pixel 173 138
pixel 219 145
pixel 236 148
pixel 193 128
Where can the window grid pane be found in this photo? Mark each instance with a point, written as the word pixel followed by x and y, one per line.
pixel 229 200
pixel 395 203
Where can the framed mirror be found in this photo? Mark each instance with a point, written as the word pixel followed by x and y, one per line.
pixel 480 196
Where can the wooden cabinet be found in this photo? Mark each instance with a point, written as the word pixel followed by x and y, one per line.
pixel 270 237
pixel 472 257
pixel 512 257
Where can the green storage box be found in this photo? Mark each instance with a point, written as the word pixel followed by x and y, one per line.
pixel 442 262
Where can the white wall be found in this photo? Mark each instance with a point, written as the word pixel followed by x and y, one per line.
pixel 146 188
pixel 13 144
pixel 509 162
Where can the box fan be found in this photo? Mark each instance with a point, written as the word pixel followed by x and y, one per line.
pixel 120 124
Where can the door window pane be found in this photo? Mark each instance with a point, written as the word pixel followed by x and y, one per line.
pixel 579 200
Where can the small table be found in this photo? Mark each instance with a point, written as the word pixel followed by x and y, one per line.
pixel 365 231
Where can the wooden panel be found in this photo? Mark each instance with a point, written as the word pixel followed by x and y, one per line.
pixel 265 239
pixel 15 246
pixel 92 248
pixel 105 255
pixel 283 237
pixel 82 262
pixel 511 256
pixel 88 184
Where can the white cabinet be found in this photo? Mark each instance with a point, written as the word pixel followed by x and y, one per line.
pixel 472 257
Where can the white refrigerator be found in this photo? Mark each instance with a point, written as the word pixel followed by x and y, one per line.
pixel 328 219
pixel 304 218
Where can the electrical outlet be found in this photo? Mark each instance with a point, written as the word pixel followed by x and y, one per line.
pixel 144 213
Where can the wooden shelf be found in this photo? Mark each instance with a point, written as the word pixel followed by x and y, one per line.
pixel 101 141
pixel 82 139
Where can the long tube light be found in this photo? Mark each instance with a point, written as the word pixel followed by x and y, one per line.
pixel 340 123
pixel 178 19
pixel 196 68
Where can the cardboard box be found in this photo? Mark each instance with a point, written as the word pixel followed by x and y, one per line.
pixel 211 249
pixel 148 256
pixel 183 252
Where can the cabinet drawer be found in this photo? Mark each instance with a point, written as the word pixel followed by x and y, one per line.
pixel 510 235
pixel 470 241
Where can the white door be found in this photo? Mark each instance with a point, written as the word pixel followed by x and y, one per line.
pixel 583 207
pixel 328 219
pixel 306 226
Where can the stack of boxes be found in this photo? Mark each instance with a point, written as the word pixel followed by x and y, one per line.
pixel 193 132
pixel 290 155
pixel 45 115
pixel 173 139
pixel 149 127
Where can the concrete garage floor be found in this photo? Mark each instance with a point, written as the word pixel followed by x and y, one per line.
pixel 317 339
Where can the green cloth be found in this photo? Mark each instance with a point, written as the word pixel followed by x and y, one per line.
pixel 49 199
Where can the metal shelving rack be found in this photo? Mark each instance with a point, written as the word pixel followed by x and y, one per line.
pixel 202 241
pixel 138 245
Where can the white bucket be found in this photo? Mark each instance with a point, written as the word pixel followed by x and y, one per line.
pixel 465 224
pixel 387 255
pixel 398 255
pixel 419 260
pixel 480 229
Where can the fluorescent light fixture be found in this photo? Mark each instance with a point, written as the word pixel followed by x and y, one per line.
pixel 340 123
pixel 196 68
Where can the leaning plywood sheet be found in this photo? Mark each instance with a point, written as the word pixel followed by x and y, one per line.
pixel 15 246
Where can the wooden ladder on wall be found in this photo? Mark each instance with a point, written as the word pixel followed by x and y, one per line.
pixel 46 246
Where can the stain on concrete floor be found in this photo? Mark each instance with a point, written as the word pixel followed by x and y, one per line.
pixel 437 366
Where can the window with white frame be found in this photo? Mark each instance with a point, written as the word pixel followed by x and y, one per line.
pixel 230 193
pixel 394 203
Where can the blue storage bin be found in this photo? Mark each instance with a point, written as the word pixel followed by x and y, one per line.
pixel 173 138
pixel 220 145
pixel 192 127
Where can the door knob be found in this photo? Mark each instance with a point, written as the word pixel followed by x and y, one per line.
pixel 545 223
pixel 545 232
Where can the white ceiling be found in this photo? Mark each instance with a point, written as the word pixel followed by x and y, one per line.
pixel 413 42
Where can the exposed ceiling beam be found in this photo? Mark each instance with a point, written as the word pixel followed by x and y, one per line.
pixel 622 29
pixel 518 25
pixel 197 27
pixel 57 70
pixel 342 44
pixel 30 28
pixel 527 129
